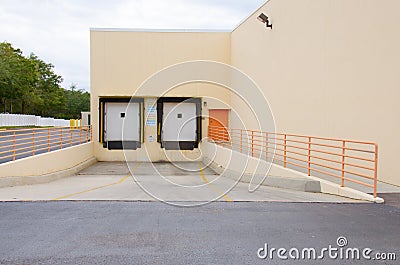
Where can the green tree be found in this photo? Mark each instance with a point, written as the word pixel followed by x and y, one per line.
pixel 77 100
pixel 13 74
pixel 33 84
pixel 48 97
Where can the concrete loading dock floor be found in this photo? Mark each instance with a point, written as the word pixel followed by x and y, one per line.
pixel 181 182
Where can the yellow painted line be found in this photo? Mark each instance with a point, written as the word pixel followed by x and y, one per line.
pixel 100 187
pixel 215 188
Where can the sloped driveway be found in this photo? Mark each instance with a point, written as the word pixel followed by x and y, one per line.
pixel 181 182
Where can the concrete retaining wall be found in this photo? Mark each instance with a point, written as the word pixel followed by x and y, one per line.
pixel 46 167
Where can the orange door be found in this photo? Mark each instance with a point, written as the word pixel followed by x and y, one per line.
pixel 218 124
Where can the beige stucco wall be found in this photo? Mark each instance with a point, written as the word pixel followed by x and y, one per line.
pixel 329 68
pixel 122 60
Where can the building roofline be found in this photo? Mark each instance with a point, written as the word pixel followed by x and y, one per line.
pixel 249 16
pixel 162 30
pixel 181 30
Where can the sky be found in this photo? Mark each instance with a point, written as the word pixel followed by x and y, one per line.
pixel 58 30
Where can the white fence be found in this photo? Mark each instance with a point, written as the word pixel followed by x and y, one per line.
pixel 30 120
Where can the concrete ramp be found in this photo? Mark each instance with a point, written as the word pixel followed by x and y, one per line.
pixel 279 181
pixel 183 184
pixel 233 164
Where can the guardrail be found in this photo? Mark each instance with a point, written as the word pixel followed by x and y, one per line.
pixel 346 160
pixel 20 143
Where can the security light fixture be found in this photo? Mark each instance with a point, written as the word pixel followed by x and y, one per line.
pixel 264 19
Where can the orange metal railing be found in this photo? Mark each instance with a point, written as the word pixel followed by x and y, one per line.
pixel 345 160
pixel 20 143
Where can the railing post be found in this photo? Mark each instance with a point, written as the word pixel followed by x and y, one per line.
pixel 252 143
pixel 33 142
pixel 61 138
pixel 284 150
pixel 70 139
pixel 266 146
pixel 343 160
pixel 309 156
pixel 15 146
pixel 80 134
pixel 376 171
pixel 48 140
pixel 230 141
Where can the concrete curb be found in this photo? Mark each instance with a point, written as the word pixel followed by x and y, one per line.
pixel 298 184
pixel 32 180
pixel 328 187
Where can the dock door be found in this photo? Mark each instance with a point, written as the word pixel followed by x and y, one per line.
pixel 179 123
pixel 122 126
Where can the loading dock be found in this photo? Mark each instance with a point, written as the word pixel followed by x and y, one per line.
pixel 179 123
pixel 122 123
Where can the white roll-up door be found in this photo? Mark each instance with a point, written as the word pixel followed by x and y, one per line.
pixel 179 122
pixel 122 124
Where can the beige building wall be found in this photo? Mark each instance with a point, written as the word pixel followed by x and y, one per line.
pixel 122 60
pixel 329 68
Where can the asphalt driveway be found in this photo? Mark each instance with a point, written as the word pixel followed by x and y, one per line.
pixel 218 233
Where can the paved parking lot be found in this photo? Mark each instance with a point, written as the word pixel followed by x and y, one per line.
pixel 185 184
